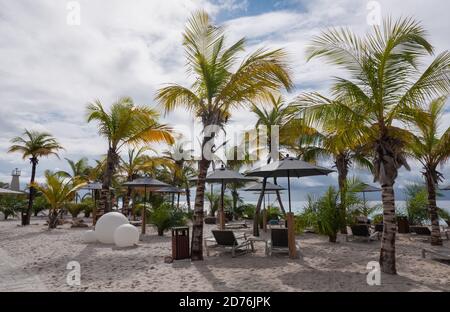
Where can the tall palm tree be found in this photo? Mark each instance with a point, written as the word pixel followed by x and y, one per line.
pixel 431 150
pixel 125 124
pixel 57 190
pixel 218 89
pixel 34 145
pixel 385 85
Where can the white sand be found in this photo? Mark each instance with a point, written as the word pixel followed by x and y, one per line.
pixel 43 256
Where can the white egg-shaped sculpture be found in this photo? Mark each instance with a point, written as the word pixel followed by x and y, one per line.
pixel 89 236
pixel 126 235
pixel 107 224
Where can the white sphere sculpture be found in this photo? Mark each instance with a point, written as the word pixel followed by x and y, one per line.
pixel 126 235
pixel 107 224
pixel 89 237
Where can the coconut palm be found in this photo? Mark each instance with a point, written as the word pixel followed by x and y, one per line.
pixel 220 85
pixel 385 86
pixel 57 190
pixel 130 167
pixel 80 171
pixel 327 138
pixel 125 124
pixel 34 145
pixel 182 171
pixel 431 150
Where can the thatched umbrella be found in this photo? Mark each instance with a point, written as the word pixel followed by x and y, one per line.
pixel 171 190
pixel 287 167
pixel 10 192
pixel 368 189
pixel 146 183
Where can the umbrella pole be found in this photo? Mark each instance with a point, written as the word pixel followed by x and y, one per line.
pixel 178 201
pixel 290 225
pixel 144 209
pixel 222 215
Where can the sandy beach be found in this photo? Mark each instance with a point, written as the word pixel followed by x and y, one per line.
pixel 33 258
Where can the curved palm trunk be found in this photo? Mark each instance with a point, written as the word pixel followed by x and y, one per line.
pixel 27 215
pixel 387 253
pixel 436 239
pixel 104 204
pixel 197 226
pixel 342 169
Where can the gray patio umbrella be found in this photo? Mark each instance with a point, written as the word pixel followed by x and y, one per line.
pixel 270 189
pixel 10 192
pixel 171 190
pixel 223 176
pixel 368 189
pixel 287 167
pixel 146 183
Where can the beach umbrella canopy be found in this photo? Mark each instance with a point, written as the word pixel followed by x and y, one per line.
pixel 93 186
pixel 287 167
pixel 369 188
pixel 169 189
pixel 10 192
pixel 146 183
pixel 445 188
pixel 223 176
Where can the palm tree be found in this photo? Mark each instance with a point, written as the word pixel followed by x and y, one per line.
pixel 182 171
pixel 331 141
pixel 34 145
pixel 125 124
pixel 431 150
pixel 57 190
pixel 217 90
pixel 80 171
pixel 385 86
pixel 130 168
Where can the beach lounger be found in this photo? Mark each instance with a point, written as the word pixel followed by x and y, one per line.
pixel 363 231
pixel 420 230
pixel 236 225
pixel 278 241
pixel 437 253
pixel 227 240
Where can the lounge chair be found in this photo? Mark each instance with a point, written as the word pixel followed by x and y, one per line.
pixel 440 254
pixel 228 241
pixel 420 230
pixel 278 241
pixel 363 230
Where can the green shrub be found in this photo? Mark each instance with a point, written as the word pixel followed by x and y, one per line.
pixel 74 209
pixel 11 206
pixel 416 204
pixel 248 211
pixel 40 204
pixel 165 217
pixel 273 213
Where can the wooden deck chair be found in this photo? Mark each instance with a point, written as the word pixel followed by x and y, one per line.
pixel 278 241
pixel 363 231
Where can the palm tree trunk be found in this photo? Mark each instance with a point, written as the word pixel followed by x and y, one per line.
pixel 26 216
pixel 188 198
pixel 387 254
pixel 197 226
pixel 104 204
pixel 436 239
pixel 126 203
pixel 341 166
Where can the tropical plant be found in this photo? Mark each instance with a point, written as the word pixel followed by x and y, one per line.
pixel 80 170
pixel 74 209
pixel 385 86
pixel 431 150
pixel 125 124
pixel 10 206
pixel 416 204
pixel 33 145
pixel 218 89
pixel 328 220
pixel 58 191
pixel 165 217
pixel 214 200
pixel 39 204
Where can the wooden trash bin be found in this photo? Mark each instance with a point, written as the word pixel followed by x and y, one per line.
pixel 180 243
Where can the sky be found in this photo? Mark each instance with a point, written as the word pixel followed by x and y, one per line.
pixel 50 68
